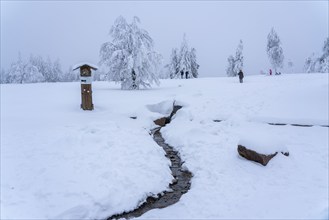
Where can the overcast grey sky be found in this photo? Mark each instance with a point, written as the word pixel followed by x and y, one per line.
pixel 73 31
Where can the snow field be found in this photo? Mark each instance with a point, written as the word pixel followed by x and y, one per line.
pixel 58 161
pixel 226 186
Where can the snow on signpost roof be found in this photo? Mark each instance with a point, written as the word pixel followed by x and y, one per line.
pixel 77 66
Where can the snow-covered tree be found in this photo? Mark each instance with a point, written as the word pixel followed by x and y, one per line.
pixel 231 66
pixel 324 58
pixel 174 65
pixel 16 71
pixel 309 66
pixel 51 72
pixel 239 58
pixel 130 56
pixel 318 64
pixel 70 75
pixel 290 65
pixel 32 74
pixel 184 60
pixel 34 70
pixel 158 65
pixel 194 64
pixel 274 50
pixel 235 64
pixel 56 71
pixel 3 76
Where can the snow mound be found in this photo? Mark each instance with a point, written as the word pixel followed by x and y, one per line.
pixel 264 143
pixel 164 108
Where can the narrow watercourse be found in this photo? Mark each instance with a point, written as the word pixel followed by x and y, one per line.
pixel 178 187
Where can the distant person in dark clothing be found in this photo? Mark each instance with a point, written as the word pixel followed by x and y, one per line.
pixel 241 76
pixel 186 74
pixel 182 74
pixel 270 72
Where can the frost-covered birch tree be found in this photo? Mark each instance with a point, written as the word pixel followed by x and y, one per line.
pixel 235 64
pixel 130 56
pixel 274 50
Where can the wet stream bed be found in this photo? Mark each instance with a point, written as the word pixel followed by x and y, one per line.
pixel 178 187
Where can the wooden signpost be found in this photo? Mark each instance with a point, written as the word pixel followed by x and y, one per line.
pixel 86 90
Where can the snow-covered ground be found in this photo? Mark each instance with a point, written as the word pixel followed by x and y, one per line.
pixel 58 161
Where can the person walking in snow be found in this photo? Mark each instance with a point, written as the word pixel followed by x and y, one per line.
pixel 182 74
pixel 186 74
pixel 270 72
pixel 241 76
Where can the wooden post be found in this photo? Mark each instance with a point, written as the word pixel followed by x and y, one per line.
pixel 86 97
pixel 86 90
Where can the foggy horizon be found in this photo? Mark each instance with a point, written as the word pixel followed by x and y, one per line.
pixel 73 31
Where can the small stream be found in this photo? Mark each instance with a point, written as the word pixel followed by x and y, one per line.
pixel 180 185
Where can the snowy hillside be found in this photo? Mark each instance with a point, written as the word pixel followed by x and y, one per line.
pixel 58 161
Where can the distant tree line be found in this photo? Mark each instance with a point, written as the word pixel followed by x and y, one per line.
pixel 37 69
pixel 275 55
pixel 130 59
pixel 273 49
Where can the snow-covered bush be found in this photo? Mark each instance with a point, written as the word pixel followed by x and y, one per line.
pixel 130 56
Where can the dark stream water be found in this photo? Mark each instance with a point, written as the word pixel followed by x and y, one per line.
pixel 180 185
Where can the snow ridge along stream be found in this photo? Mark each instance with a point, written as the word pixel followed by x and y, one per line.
pixel 180 186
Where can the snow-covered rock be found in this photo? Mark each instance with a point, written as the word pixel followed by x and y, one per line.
pixel 261 146
pixel 257 157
